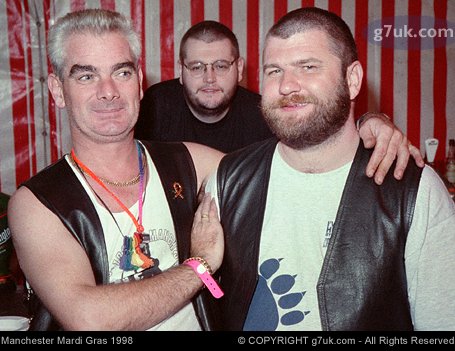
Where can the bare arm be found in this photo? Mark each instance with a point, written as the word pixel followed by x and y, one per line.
pixel 205 160
pixel 59 271
pixel 389 143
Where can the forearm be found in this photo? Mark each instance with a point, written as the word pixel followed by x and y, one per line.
pixel 137 305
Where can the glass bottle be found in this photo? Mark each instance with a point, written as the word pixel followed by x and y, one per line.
pixel 450 162
pixel 450 168
pixel 6 248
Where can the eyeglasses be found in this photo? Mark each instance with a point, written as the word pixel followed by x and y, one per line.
pixel 220 67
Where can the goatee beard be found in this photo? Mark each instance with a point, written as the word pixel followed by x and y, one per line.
pixel 203 110
pixel 298 132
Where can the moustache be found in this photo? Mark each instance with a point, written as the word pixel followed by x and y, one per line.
pixel 108 106
pixel 295 99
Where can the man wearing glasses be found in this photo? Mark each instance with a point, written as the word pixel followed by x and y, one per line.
pixel 205 105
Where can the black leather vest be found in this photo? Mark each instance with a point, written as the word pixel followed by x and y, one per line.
pixel 58 188
pixel 362 285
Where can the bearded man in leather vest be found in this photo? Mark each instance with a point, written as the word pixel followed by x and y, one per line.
pixel 312 243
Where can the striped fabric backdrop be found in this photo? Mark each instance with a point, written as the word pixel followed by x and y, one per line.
pixel 409 78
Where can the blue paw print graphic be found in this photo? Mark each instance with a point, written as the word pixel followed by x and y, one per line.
pixel 264 301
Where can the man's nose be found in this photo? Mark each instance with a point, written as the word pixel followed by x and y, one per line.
pixel 209 74
pixel 107 89
pixel 289 83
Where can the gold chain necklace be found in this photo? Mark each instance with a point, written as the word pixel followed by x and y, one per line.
pixel 126 183
pixel 130 182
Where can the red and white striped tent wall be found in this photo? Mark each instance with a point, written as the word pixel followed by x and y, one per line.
pixel 409 78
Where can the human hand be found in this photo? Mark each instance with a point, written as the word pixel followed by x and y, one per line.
pixel 207 239
pixel 378 131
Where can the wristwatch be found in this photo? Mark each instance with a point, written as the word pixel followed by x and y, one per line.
pixel 202 269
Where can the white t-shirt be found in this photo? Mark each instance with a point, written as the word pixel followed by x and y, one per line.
pixel 299 216
pixel 157 222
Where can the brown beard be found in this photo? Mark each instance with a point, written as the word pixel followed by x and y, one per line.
pixel 326 120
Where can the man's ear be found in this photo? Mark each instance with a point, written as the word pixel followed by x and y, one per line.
pixel 354 76
pixel 240 66
pixel 141 78
pixel 181 71
pixel 56 88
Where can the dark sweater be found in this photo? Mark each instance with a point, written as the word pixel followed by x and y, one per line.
pixel 165 116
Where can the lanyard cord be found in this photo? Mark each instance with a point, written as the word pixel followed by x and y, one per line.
pixel 137 222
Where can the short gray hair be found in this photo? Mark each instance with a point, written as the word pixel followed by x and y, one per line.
pixel 93 21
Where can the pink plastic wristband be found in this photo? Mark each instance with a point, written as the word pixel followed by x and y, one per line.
pixel 202 272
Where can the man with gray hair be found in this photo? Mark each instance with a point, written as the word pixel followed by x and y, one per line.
pixel 104 235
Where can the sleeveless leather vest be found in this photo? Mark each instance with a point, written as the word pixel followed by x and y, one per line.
pixel 362 285
pixel 58 188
